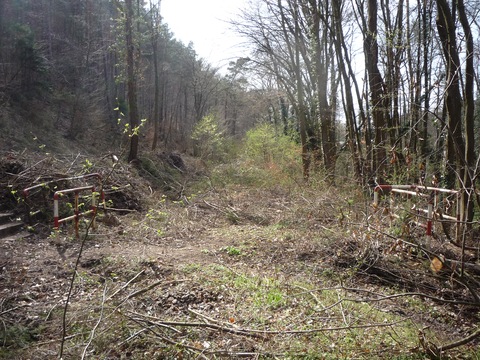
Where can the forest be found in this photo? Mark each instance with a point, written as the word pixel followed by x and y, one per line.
pixel 317 198
pixel 392 84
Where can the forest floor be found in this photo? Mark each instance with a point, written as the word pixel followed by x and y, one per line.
pixel 227 262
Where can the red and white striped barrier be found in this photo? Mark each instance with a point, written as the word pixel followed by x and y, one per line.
pixel 431 193
pixel 77 214
pixel 27 191
pixel 58 194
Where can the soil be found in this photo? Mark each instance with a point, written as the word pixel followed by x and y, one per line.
pixel 156 238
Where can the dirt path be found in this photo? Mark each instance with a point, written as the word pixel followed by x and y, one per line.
pixel 257 259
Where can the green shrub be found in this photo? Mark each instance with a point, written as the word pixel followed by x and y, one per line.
pixel 267 147
pixel 209 140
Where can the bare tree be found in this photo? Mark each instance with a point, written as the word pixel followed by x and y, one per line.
pixel 131 81
pixel 460 154
pixel 155 23
pixel 469 113
pixel 318 19
pixel 377 96
pixel 350 87
pixel 291 42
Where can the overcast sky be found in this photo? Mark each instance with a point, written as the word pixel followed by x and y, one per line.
pixel 205 23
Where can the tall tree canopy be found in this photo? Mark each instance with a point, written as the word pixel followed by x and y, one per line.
pixel 407 88
pixel 90 67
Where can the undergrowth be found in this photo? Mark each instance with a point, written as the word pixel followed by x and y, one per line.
pixel 243 259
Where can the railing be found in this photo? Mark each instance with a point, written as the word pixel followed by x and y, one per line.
pixel 27 191
pixel 58 194
pixel 433 197
pixel 77 214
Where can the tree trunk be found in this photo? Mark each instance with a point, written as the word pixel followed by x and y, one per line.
pixel 131 83
pixel 346 72
pixel 301 114
pixel 156 100
pixel 294 53
pixel 453 97
pixel 469 113
pixel 376 84
pixel 426 16
pixel 325 114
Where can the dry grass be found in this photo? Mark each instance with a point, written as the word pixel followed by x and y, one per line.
pixel 243 262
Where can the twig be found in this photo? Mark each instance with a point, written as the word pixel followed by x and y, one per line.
pixel 170 341
pixel 119 210
pixel 157 321
pixel 460 342
pixel 70 289
pixel 150 287
pixel 224 353
pixel 31 167
pixel 252 355
pixel 256 333
pixel 205 317
pixel 463 280
pixel 92 333
pixel 426 296
pixel 74 161
pixel 38 344
pixel 14 308
pixel 324 308
pixel 126 284
pixel 75 268
pixel 342 310
pixel 49 314
pixel 310 292
pixel 135 334
pixel 216 207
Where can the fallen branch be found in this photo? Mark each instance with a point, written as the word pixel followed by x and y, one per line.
pixel 119 210
pixel 159 322
pixel 148 288
pixel 170 341
pixel 455 264
pixel 460 342
pixel 126 284
pixel 205 317
pixel 135 334
pixel 435 352
pixel 426 296
pixel 97 324
pixel 200 352
pixel 258 333
pixel 14 308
